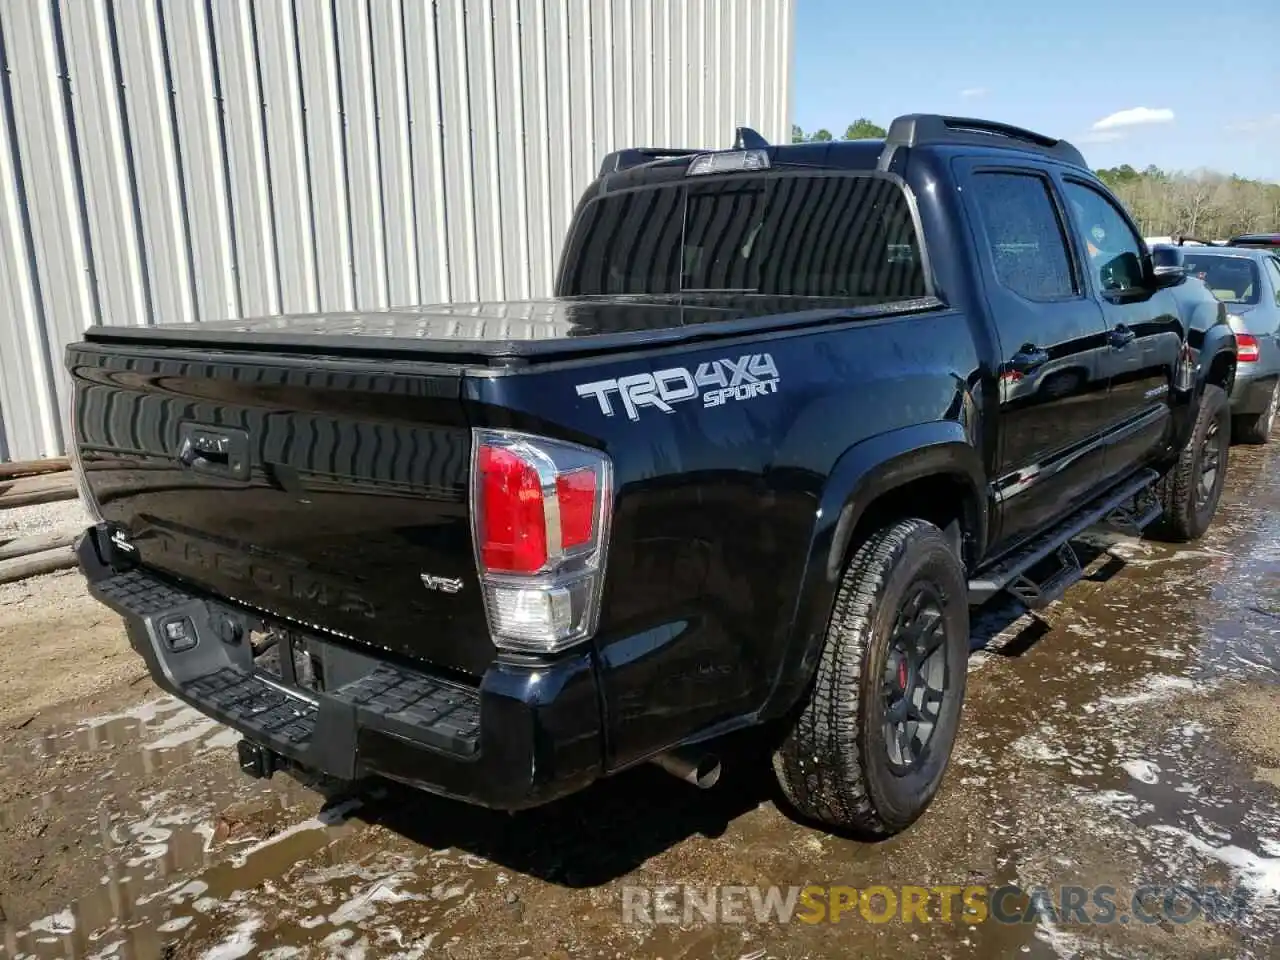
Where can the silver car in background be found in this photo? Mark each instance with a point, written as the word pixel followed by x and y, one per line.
pixel 1247 282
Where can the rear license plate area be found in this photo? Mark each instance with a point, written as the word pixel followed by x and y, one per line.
pixel 282 655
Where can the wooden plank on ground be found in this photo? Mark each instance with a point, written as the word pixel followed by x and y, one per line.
pixel 37 542
pixel 31 468
pixel 25 491
pixel 46 561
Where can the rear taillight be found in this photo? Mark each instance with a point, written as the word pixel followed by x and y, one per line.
pixel 540 512
pixel 1247 348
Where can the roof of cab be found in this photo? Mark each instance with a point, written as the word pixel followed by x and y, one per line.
pixel 636 166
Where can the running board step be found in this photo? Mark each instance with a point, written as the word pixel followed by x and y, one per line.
pixel 1063 571
pixel 1134 517
pixel 1008 569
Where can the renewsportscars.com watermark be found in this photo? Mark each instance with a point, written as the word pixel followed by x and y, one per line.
pixel 684 904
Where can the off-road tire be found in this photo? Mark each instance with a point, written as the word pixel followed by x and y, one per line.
pixel 833 765
pixel 1256 427
pixel 1184 518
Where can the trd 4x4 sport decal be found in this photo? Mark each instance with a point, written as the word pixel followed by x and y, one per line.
pixel 717 382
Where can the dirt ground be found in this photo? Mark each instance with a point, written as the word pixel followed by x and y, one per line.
pixel 60 646
pixel 1126 738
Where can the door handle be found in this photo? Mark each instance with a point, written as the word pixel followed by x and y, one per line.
pixel 1028 359
pixel 1121 336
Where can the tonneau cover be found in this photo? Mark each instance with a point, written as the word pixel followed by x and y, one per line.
pixel 528 328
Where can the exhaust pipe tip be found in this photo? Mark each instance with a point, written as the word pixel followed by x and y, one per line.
pixel 695 767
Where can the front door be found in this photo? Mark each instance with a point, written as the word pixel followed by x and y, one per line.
pixel 1052 380
pixel 1144 334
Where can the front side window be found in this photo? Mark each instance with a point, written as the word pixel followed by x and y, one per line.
pixel 1232 279
pixel 1115 253
pixel 1024 235
pixel 783 234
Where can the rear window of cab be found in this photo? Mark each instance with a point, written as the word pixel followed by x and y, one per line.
pixel 1232 279
pixel 851 236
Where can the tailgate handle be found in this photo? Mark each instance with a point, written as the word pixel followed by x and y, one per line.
pixel 217 451
pixel 191 456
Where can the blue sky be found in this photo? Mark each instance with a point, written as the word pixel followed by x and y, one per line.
pixel 1207 73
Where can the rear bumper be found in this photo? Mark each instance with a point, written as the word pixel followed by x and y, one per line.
pixel 1251 392
pixel 526 735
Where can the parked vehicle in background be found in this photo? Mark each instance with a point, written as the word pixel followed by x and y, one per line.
pixel 1248 282
pixel 1270 241
pixel 1178 241
pixel 748 469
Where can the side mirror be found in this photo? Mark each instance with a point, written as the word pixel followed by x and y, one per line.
pixel 1163 277
pixel 1168 269
pixel 1123 274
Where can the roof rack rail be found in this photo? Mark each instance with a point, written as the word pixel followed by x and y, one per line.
pixel 915 129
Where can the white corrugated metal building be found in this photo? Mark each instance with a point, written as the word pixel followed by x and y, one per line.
pixel 190 160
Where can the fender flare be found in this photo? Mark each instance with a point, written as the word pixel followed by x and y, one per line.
pixel 1218 340
pixel 862 474
pixel 1210 343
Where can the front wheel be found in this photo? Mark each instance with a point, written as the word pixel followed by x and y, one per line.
pixel 868 751
pixel 1192 487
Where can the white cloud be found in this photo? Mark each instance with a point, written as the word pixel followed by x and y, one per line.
pixel 973 93
pixel 1099 136
pixel 1257 125
pixel 1133 117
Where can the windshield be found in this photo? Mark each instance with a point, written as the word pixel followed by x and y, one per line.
pixel 1232 279
pixel 785 234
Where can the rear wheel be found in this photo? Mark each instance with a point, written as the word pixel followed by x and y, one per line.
pixel 868 751
pixel 1191 488
pixel 1256 427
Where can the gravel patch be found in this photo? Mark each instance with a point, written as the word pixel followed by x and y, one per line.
pixel 42 518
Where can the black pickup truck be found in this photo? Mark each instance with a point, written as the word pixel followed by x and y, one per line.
pixel 790 413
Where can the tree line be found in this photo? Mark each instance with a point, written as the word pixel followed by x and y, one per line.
pixel 860 129
pixel 1201 203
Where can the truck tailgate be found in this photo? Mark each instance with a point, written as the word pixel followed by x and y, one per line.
pixel 325 492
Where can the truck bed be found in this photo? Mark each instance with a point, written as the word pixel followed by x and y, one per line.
pixel 481 332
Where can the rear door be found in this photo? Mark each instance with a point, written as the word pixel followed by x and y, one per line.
pixel 324 492
pixel 1051 381
pixel 1143 331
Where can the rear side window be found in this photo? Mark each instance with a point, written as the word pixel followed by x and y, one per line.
pixel 1027 244
pixel 784 234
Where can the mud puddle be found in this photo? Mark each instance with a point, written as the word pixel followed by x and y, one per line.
pixel 116 809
